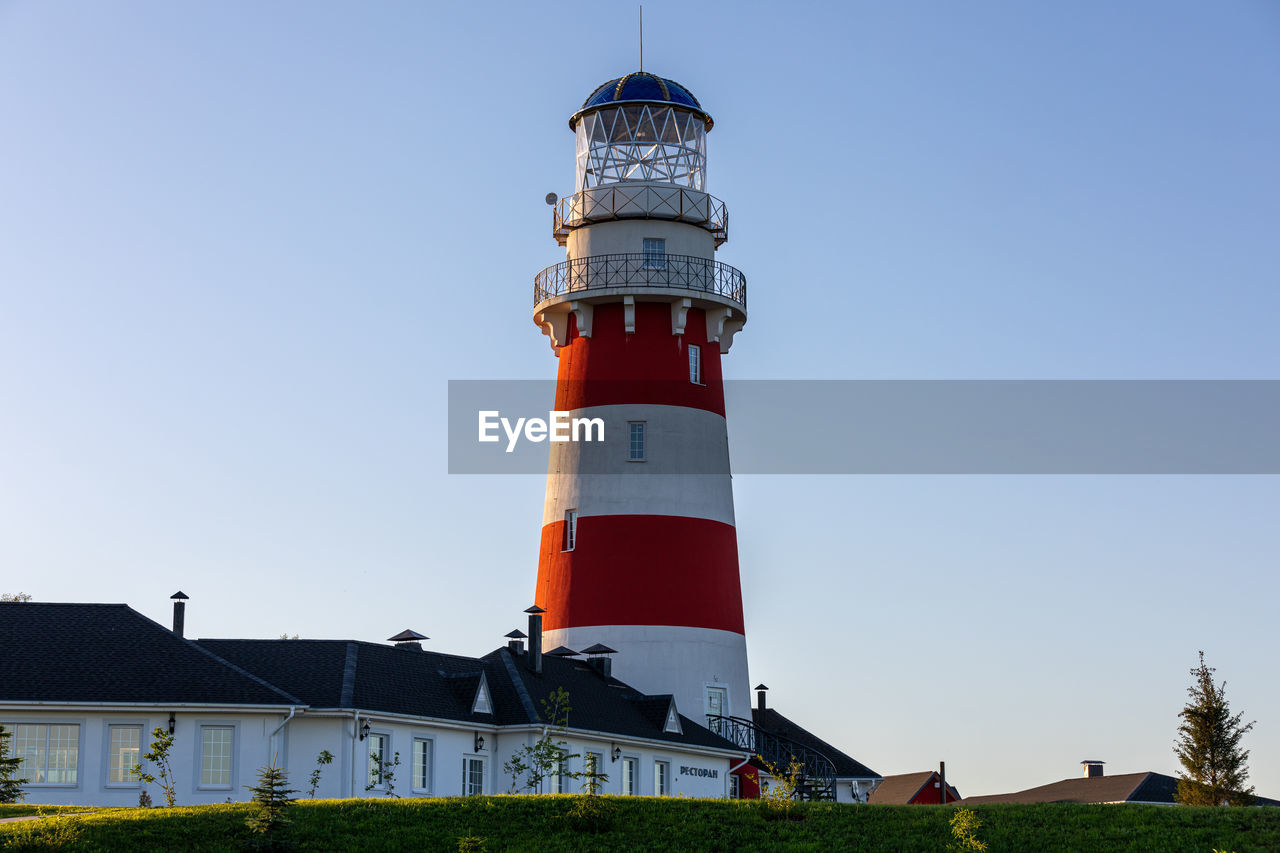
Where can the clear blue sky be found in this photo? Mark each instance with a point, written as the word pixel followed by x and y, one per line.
pixel 243 247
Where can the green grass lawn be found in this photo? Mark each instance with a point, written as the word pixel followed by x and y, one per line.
pixel 23 809
pixel 548 823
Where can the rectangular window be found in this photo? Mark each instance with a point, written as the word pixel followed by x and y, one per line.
pixel 123 752
pixel 635 451
pixel 215 756
pixel 50 754
pixel 472 777
pixel 594 761
pixel 735 786
pixel 655 254
pixel 563 782
pixel 423 754
pixel 570 529
pixel 376 746
pixel 629 777
pixel 661 773
pixel 695 364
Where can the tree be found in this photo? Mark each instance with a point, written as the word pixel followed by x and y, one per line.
pixel 325 757
pixel 10 785
pixel 159 758
pixel 532 763
pixel 1215 767
pixel 15 597
pixel 271 797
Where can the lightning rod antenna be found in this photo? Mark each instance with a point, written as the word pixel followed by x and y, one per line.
pixel 642 38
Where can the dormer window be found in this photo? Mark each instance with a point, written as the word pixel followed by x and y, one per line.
pixel 482 704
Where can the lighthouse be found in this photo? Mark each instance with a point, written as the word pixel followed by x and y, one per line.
pixel 639 550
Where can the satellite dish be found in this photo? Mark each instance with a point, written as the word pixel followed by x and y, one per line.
pixel 552 198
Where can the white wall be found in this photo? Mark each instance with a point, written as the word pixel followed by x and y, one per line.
pixel 298 745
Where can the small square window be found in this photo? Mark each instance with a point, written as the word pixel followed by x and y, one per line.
pixel 570 529
pixel 635 450
pixel 655 254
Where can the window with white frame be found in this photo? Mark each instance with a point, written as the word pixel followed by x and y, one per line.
pixel 570 529
pixel 563 781
pixel 423 756
pixel 593 762
pixel 655 253
pixel 375 745
pixel 661 778
pixel 216 744
pixel 472 777
pixel 124 750
pixel 50 754
pixel 635 449
pixel 735 786
pixel 629 776
pixel 695 364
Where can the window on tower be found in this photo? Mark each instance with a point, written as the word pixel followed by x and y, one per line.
pixel 695 364
pixel 570 529
pixel 655 254
pixel 635 452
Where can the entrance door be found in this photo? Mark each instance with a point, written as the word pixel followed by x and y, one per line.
pixel 718 700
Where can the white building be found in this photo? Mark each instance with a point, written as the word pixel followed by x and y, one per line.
pixel 82 686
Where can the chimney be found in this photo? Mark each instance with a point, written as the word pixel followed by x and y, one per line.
pixel 535 638
pixel 515 642
pixel 599 659
pixel 179 611
pixel 760 691
pixel 408 639
pixel 942 778
pixel 1092 767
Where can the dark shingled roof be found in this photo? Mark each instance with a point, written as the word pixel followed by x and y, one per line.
pixel 846 766
pixel 112 653
pixel 902 788
pixel 1122 788
pixel 378 678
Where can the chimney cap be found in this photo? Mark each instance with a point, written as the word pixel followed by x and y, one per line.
pixel 599 649
pixel 180 595
pixel 517 634
pixel 1092 761
pixel 534 609
pixel 406 636
pixel 563 652
pixel 761 687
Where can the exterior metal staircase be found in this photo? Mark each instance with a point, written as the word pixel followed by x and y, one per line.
pixel 816 778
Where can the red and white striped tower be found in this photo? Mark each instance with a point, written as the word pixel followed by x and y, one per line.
pixel 639 550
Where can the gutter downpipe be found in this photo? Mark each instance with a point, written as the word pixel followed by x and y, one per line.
pixel 355 736
pixel 293 710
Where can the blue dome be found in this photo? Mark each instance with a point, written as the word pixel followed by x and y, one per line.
pixel 641 87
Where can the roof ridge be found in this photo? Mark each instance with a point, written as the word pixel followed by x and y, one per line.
pixel 347 697
pixel 526 701
pixel 195 645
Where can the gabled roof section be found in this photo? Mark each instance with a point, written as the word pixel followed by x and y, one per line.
pixel 846 766
pixel 375 677
pixel 602 703
pixel 1123 788
pixel 902 788
pixel 660 710
pixel 112 653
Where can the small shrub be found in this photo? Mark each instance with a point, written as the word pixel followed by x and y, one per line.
pixel 144 800
pixel 324 758
pixel 271 798
pixel 778 798
pixel 472 844
pixel 10 784
pixel 964 833
pixel 161 743
pixel 591 813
